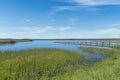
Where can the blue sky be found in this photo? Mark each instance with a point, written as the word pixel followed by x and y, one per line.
pixel 59 19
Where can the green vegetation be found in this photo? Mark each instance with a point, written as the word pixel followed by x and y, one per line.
pixel 53 64
pixel 40 64
pixel 116 47
pixel 108 40
pixel 106 70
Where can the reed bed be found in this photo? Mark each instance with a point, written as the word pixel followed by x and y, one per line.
pixel 107 40
pixel 116 47
pixel 106 70
pixel 42 64
pixel 54 64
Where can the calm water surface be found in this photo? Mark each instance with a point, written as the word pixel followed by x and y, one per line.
pixel 38 44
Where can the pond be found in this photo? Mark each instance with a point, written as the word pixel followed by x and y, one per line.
pixel 38 44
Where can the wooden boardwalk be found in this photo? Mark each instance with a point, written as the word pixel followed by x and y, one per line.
pixel 92 43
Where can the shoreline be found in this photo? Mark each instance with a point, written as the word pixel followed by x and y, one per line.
pixel 13 41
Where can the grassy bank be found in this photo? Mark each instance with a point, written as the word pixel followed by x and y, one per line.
pixel 116 47
pixel 107 40
pixel 43 64
pixel 106 70
pixel 53 64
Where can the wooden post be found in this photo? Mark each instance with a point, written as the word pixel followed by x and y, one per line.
pixel 90 43
pixel 85 43
pixel 109 44
pixel 102 44
pixel 96 43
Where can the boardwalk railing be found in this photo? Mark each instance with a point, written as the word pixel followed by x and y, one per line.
pixel 92 43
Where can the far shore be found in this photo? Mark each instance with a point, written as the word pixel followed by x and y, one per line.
pixel 12 41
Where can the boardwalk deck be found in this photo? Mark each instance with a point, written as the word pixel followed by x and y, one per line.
pixel 91 43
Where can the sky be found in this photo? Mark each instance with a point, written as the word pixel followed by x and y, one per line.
pixel 51 19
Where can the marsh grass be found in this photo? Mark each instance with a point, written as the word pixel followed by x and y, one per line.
pixel 106 70
pixel 53 64
pixel 114 40
pixel 116 47
pixel 36 64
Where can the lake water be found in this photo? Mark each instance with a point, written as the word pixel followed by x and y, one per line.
pixel 38 44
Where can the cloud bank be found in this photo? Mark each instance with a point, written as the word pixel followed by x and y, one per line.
pixel 89 5
pixel 58 32
pixel 94 2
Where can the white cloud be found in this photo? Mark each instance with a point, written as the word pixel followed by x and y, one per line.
pixel 109 31
pixel 35 29
pixel 106 32
pixel 45 29
pixel 70 8
pixel 99 33
pixel 31 32
pixel 51 28
pixel 64 28
pixel 25 20
pixel 88 5
pixel 57 32
pixel 95 2
pixel 75 8
pixel 62 8
pixel 57 9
